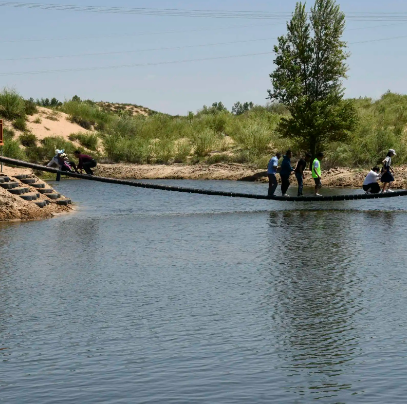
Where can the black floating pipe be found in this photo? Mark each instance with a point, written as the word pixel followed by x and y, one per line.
pixel 39 167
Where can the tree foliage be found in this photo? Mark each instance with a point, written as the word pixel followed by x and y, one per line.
pixel 310 66
pixel 239 108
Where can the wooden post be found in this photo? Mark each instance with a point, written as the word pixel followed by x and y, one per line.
pixel 1 141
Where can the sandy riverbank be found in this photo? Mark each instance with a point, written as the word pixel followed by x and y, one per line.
pixel 335 177
pixel 14 208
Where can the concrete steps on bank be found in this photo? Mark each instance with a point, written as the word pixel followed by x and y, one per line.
pixel 32 189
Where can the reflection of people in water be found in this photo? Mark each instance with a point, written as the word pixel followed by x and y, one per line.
pixel 310 298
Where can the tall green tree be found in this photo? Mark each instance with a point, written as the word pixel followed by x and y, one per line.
pixel 310 66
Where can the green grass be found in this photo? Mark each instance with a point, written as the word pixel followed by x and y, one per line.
pixel 212 135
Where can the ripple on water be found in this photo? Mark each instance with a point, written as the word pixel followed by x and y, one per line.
pixel 173 298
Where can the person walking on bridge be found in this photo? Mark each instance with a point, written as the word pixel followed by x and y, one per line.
pixel 317 172
pixel 272 169
pixel 299 172
pixel 285 172
pixel 387 171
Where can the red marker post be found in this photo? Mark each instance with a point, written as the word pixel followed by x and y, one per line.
pixel 1 141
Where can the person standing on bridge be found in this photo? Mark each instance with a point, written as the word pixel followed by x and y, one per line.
pixel 285 172
pixel 85 162
pixel 299 172
pixel 272 169
pixel 317 172
pixel 387 171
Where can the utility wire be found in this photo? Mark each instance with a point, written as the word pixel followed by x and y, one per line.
pixel 169 32
pixel 137 34
pixel 162 63
pixel 166 48
pixel 138 50
pixel 178 12
pixel 132 65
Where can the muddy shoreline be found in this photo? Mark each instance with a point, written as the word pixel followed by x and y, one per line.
pixel 335 177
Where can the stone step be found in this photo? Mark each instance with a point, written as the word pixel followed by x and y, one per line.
pixel 38 185
pixel 21 177
pixel 1 180
pixel 29 181
pixel 64 202
pixel 5 178
pixel 41 204
pixel 19 191
pixel 29 197
pixel 45 190
pixel 10 185
pixel 53 196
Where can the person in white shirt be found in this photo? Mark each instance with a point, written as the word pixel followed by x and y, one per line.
pixel 370 184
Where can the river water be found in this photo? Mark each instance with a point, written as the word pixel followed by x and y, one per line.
pixel 146 296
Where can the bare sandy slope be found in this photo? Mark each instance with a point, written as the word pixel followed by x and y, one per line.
pixel 52 124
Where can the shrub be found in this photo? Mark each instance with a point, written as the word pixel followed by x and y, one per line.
pixel 28 140
pixel 30 107
pixel 12 105
pixel 89 141
pixel 218 158
pixel 204 142
pixel 37 120
pixel 11 147
pixel 85 114
pixel 20 124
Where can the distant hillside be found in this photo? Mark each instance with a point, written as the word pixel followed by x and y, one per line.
pixel 131 109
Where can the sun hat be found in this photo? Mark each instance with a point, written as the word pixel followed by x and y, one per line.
pixel 57 151
pixel 393 151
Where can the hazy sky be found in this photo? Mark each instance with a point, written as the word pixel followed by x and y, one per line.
pixel 375 67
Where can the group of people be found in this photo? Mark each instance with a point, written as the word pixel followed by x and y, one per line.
pixel 385 175
pixel 285 171
pixel 370 184
pixel 61 161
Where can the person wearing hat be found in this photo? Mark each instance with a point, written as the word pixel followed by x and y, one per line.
pixel 55 162
pixel 317 172
pixel 387 171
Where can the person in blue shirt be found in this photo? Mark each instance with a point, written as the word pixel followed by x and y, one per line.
pixel 271 173
pixel 285 172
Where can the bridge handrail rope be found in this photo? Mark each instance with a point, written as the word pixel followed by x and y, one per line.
pixel 202 191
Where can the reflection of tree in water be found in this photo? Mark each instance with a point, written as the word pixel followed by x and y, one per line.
pixel 312 286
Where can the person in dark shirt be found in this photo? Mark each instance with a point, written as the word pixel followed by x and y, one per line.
pixel 299 172
pixel 285 172
pixel 85 162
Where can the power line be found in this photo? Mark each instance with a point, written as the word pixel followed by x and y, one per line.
pixel 168 48
pixel 133 65
pixel 136 34
pixel 178 12
pixel 138 50
pixel 171 32
pixel 112 67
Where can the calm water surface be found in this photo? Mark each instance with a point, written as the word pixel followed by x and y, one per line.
pixel 146 296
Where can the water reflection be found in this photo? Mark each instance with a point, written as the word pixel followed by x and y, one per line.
pixel 313 305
